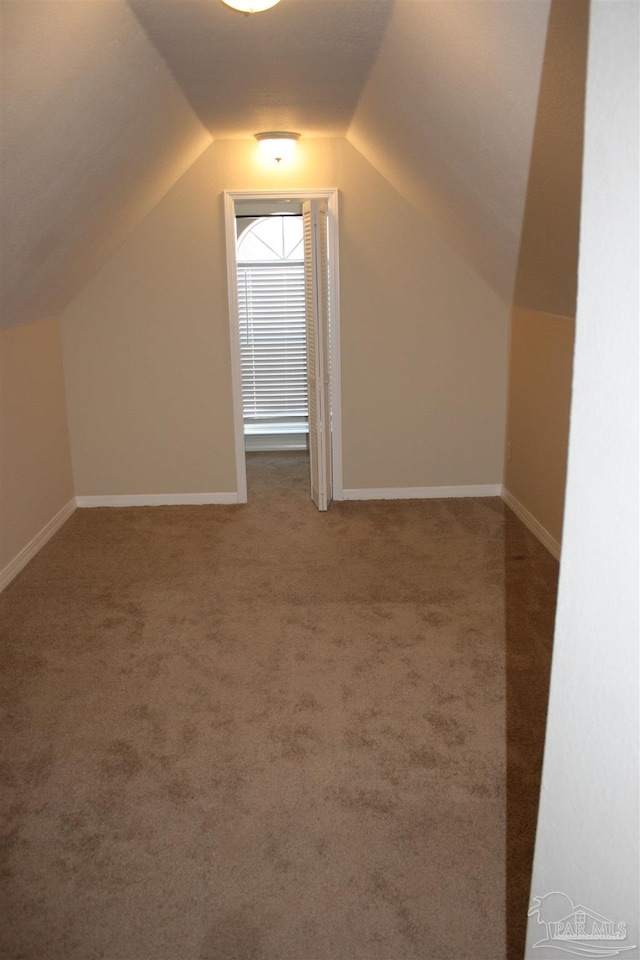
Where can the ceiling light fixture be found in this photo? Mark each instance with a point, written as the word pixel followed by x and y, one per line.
pixel 277 145
pixel 250 6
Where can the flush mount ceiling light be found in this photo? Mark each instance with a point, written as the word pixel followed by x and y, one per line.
pixel 277 145
pixel 250 6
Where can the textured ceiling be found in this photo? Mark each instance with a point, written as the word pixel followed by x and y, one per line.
pixel 94 132
pixel 448 115
pixel 107 102
pixel 300 66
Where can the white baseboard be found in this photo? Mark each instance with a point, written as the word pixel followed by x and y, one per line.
pixel 158 499
pixel 422 493
pixel 27 553
pixel 531 523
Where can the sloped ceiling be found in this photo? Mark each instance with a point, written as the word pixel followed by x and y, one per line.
pixel 300 66
pixel 448 116
pixel 547 273
pixel 107 102
pixel 94 132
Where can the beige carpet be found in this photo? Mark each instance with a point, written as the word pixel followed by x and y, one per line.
pixel 263 733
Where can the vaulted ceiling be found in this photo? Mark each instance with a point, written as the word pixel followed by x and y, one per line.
pixel 107 102
pixel 301 65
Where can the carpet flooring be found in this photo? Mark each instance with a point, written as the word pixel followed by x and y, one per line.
pixel 259 732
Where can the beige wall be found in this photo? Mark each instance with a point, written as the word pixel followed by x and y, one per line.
pixel 146 343
pixel 146 353
pixel 423 347
pixel 544 299
pixel 35 466
pixel 541 361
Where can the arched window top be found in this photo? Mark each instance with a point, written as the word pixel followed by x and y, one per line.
pixel 272 239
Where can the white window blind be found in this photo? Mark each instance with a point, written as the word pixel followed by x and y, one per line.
pixel 271 308
pixel 271 312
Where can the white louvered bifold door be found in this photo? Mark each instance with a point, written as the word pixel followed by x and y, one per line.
pixel 316 298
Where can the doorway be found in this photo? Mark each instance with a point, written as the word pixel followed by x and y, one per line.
pixel 272 325
pixel 255 226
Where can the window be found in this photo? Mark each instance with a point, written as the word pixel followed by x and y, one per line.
pixel 271 311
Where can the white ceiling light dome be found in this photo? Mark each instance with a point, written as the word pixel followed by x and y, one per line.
pixel 277 144
pixel 250 6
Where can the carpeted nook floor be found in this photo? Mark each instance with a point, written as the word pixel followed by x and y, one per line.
pixel 259 732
